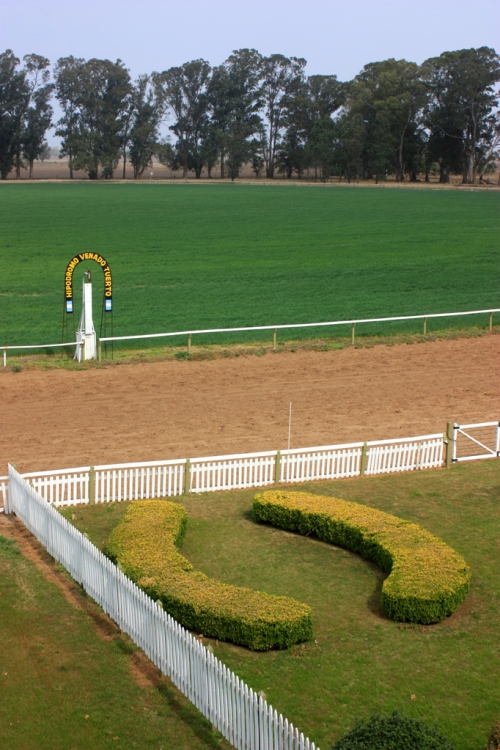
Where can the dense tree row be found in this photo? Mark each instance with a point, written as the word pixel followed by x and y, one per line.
pixel 395 117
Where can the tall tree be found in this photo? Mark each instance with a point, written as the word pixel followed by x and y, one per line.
pixel 14 98
pixel 321 146
pixel 235 99
pixel 460 113
pixel 94 97
pixel 38 115
pixel 243 122
pixel 67 74
pixel 392 92
pixel 143 131
pixel 351 136
pixel 184 89
pixel 310 101
pixel 281 78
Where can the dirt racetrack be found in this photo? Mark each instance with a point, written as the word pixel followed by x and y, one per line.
pixel 137 412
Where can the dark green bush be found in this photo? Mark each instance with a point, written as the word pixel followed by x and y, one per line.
pixel 393 732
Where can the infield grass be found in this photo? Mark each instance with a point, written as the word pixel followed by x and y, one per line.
pixel 64 687
pixel 201 256
pixel 359 661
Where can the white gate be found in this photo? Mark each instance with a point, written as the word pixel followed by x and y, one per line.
pixel 473 441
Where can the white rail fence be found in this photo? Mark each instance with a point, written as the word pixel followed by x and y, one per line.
pixel 290 326
pixel 119 482
pixel 241 715
pixel 37 346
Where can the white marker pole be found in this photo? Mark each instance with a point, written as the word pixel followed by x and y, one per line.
pixel 289 424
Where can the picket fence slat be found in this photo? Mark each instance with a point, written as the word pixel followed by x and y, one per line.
pixel 243 717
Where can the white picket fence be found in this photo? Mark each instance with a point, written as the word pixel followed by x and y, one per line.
pixel 140 481
pixel 405 454
pixel 242 716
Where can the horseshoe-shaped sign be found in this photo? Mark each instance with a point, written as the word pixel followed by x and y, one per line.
pixel 68 280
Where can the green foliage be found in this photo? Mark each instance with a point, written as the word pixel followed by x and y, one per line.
pixel 144 545
pixel 393 732
pixel 428 579
pixel 277 255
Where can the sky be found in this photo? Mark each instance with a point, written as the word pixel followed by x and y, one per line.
pixel 335 37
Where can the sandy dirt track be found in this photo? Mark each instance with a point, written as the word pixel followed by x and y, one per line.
pixel 56 419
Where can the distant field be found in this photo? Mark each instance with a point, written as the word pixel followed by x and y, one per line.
pixel 196 256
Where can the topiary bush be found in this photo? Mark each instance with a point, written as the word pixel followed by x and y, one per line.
pixel 144 545
pixel 393 732
pixel 427 580
pixel 494 738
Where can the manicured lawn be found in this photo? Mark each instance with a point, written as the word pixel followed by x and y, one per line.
pixel 198 256
pixel 361 662
pixel 64 687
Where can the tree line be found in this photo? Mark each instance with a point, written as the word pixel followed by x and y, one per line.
pixel 394 118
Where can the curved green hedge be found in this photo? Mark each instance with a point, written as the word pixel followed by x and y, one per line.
pixel 144 545
pixel 427 580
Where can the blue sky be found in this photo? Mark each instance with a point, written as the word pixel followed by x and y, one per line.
pixel 334 37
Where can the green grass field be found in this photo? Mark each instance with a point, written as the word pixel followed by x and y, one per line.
pixel 66 687
pixel 359 661
pixel 197 256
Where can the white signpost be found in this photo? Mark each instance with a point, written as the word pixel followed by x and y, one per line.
pixel 85 335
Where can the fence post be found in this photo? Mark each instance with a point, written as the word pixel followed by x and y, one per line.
pixel 92 485
pixel 5 355
pixel 277 468
pixel 187 477
pixel 491 323
pixel 353 331
pixel 274 339
pixel 364 458
pixel 449 443
pixel 425 326
pixel 189 343
pixel 99 350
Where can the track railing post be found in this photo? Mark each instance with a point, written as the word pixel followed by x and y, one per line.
pixel 425 326
pixel 353 332
pixel 5 356
pixel 189 343
pixel 274 339
pixel 99 350
pixel 491 321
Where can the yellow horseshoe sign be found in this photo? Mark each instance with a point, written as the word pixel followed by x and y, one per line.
pixel 68 280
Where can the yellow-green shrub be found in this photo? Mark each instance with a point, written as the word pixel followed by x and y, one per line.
pixel 144 546
pixel 427 580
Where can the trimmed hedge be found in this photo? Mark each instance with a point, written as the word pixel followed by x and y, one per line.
pixel 428 579
pixel 393 732
pixel 144 545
